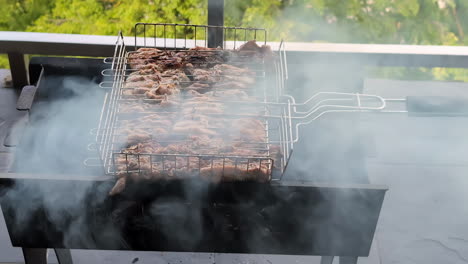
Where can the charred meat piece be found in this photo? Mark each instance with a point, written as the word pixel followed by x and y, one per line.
pixel 135 136
pixel 119 186
pixel 143 77
pixel 168 60
pixel 250 45
pixel 189 116
pixel 149 121
pixel 191 127
pixel 248 123
pixel 226 69
pixel 204 58
pixel 152 95
pixel 131 107
pixel 145 69
pixel 196 102
pixel 228 171
pixel 142 90
pixel 141 84
pixel 248 129
pixel 166 89
pixel 206 76
pixel 247 80
pixel 231 85
pixel 198 87
pixel 148 51
pixel 136 78
pixel 231 94
pixel 177 76
pixel 202 109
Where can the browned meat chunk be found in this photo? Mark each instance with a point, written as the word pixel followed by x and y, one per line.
pixel 146 68
pixel 231 93
pixel 137 136
pixel 152 95
pixel 201 87
pixel 140 90
pixel 250 45
pixel 226 69
pixel 231 85
pixel 208 76
pixel 143 77
pixel 119 186
pixel 197 109
pixel 142 84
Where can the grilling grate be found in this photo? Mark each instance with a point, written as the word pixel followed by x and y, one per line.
pixel 184 36
pixel 112 117
pixel 279 112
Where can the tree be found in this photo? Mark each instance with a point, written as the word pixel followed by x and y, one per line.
pixel 435 22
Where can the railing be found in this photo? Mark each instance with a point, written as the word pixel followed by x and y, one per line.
pixel 17 44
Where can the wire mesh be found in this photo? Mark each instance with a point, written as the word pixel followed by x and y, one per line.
pixel 184 36
pixel 181 37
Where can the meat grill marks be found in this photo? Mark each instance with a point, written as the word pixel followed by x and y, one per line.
pixel 180 116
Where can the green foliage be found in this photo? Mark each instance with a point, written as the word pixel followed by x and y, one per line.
pixel 434 22
pixel 4 62
pixel 107 17
pixel 17 15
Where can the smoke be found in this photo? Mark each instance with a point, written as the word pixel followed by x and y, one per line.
pixel 334 150
pixel 55 144
pixel 330 155
pixel 54 200
pixel 338 215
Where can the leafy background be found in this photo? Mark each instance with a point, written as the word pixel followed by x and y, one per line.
pixel 424 22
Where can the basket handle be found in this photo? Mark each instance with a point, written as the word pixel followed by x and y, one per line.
pixel 437 106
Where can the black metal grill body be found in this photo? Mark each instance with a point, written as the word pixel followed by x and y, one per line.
pixel 286 217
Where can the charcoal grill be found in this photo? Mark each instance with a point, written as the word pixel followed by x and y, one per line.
pixel 236 217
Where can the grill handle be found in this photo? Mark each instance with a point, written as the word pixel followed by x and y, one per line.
pixel 437 106
pixel 16 127
pixel 26 98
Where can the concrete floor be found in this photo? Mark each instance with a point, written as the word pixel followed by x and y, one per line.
pixel 424 219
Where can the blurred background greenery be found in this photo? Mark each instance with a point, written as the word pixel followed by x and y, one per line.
pixel 424 22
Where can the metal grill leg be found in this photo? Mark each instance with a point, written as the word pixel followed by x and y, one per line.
pixel 326 260
pixel 348 260
pixel 35 255
pixel 63 256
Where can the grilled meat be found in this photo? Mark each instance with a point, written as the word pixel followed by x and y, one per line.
pixel 226 69
pixel 189 116
pixel 119 186
pixel 198 87
pixel 145 84
pixel 207 76
pixel 141 90
pixel 252 46
pixel 137 136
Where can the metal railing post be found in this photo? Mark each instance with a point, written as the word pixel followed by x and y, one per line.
pixel 215 18
pixel 18 68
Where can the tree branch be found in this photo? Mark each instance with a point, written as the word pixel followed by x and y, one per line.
pixel 461 34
